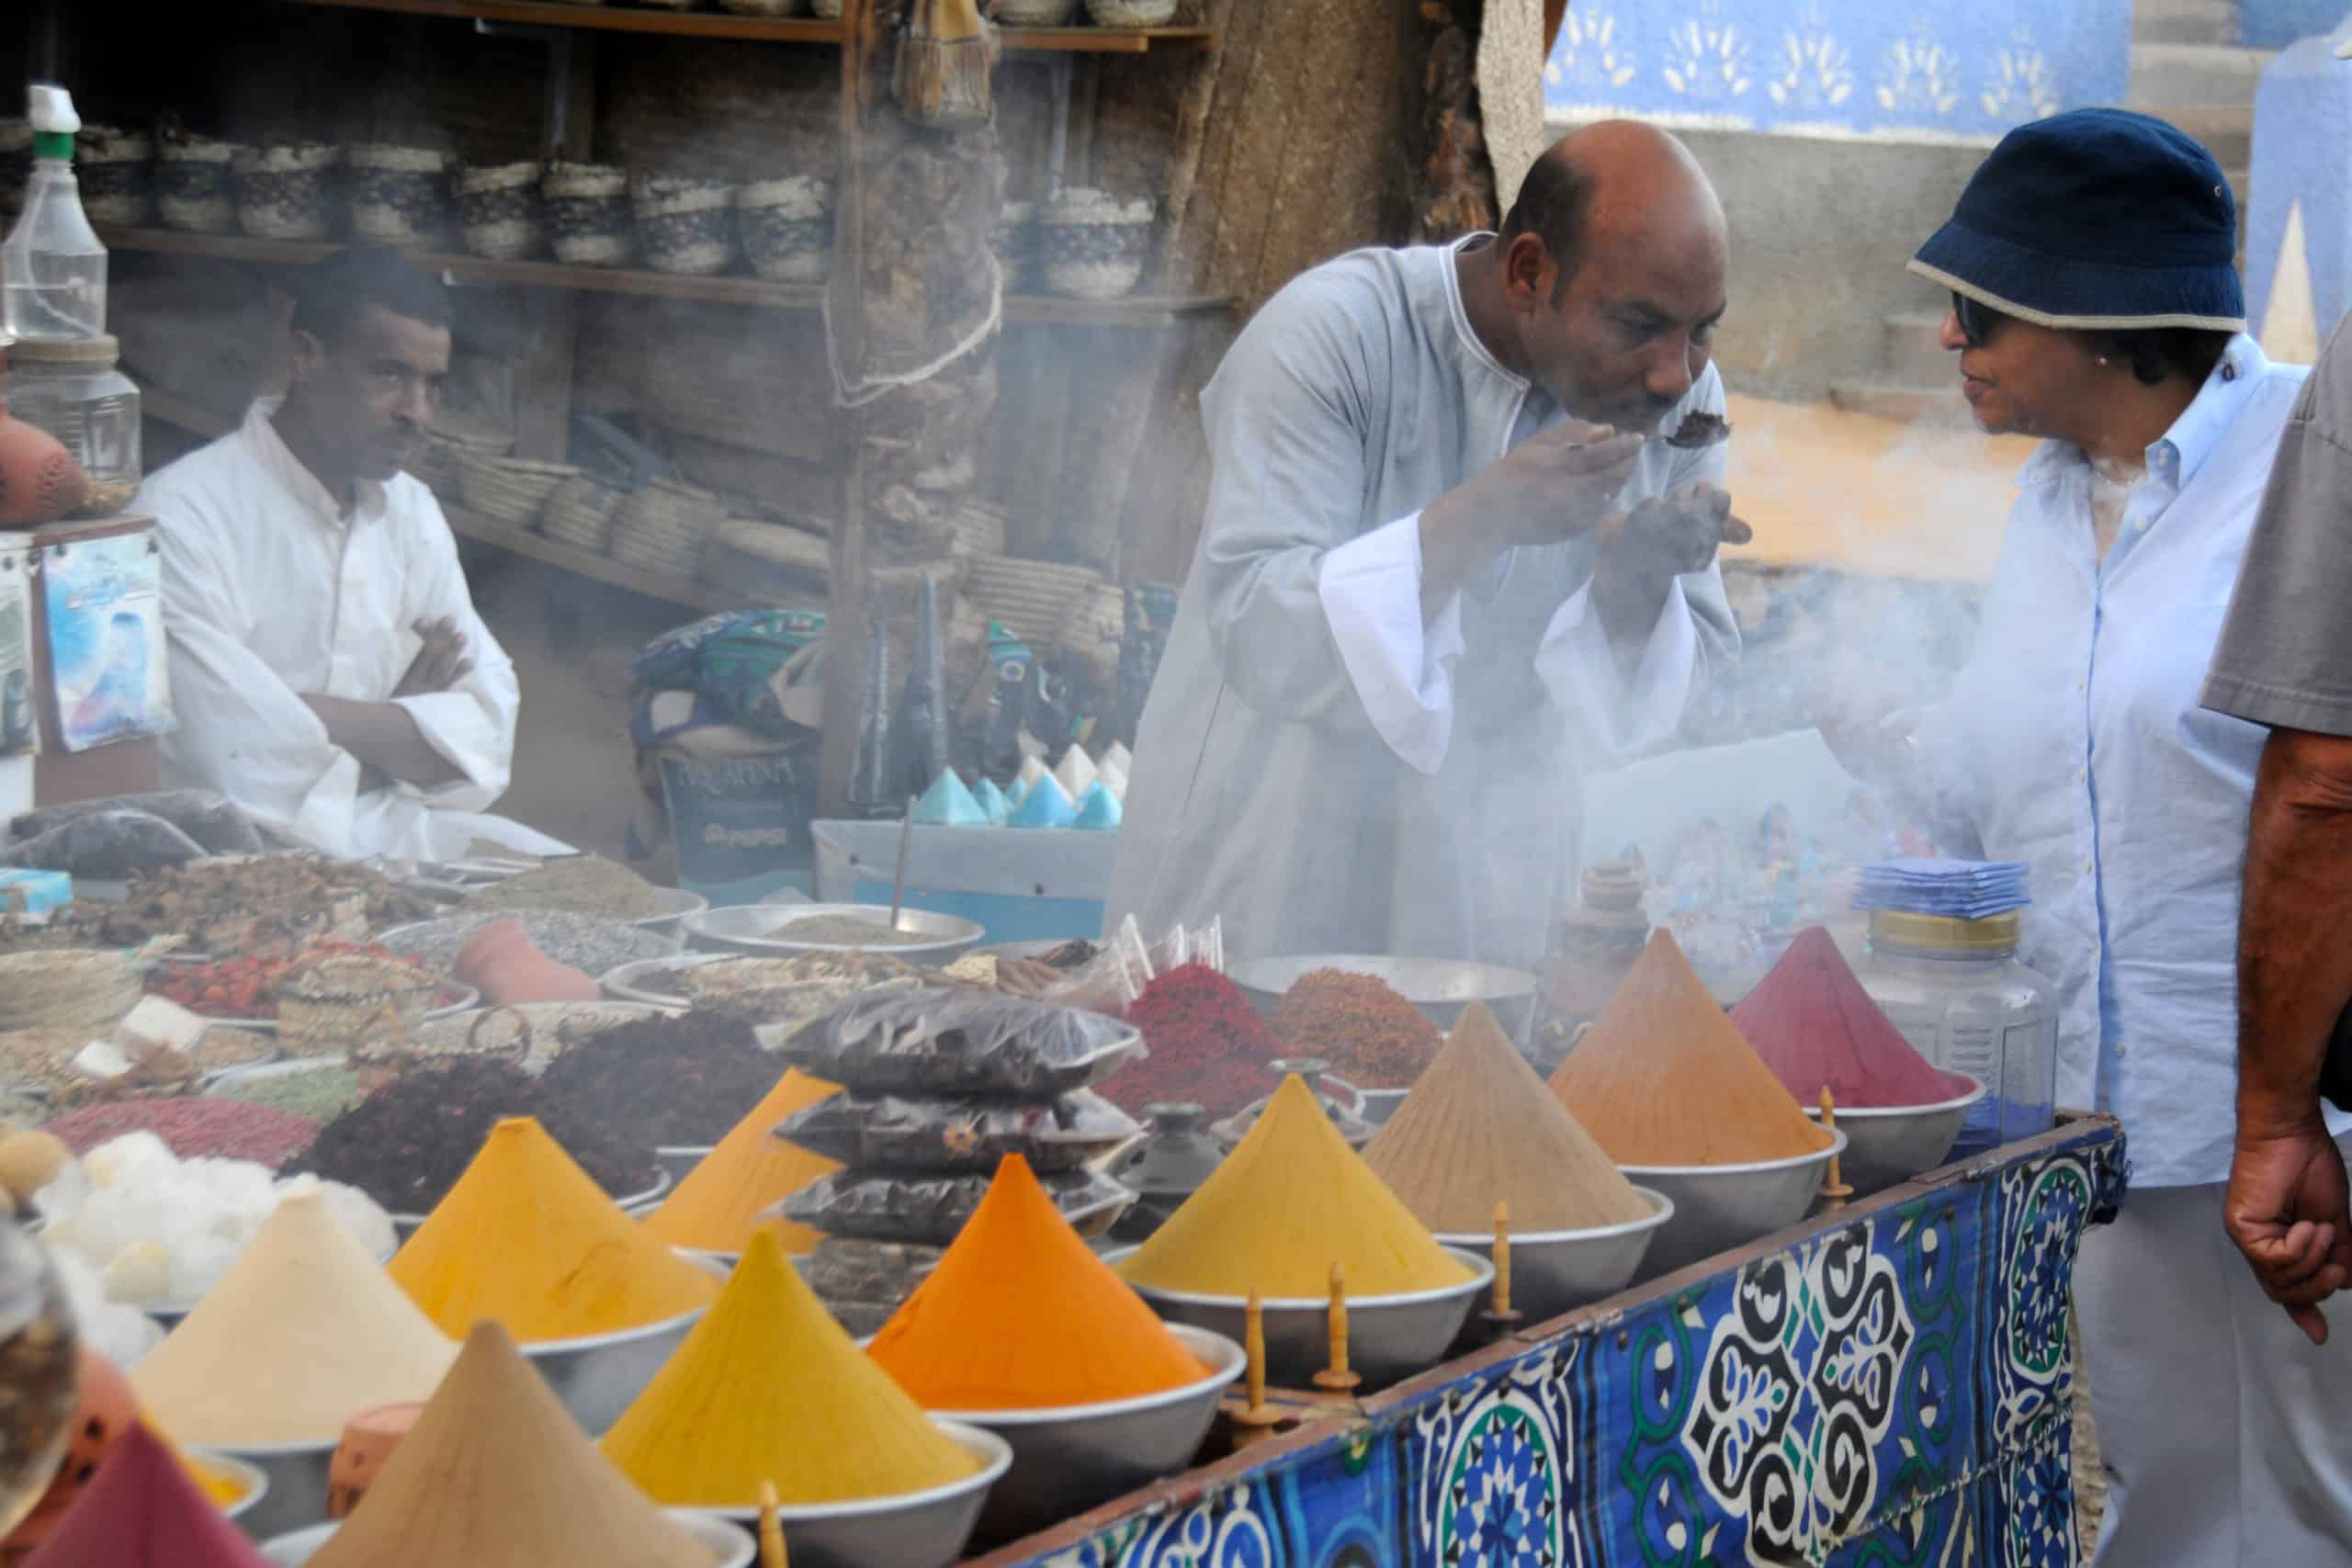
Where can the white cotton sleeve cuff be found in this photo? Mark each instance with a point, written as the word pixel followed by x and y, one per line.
pixel 1402 668
pixel 454 724
pixel 1618 719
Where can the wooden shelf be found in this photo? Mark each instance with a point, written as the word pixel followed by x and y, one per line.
pixel 759 30
pixel 694 593
pixel 1135 310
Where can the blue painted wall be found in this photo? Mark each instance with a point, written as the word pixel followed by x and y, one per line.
pixel 2275 24
pixel 2302 139
pixel 1840 67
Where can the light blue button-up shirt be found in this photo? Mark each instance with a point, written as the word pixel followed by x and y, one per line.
pixel 2073 740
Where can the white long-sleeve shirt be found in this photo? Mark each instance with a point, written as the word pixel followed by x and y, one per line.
pixel 1317 765
pixel 273 592
pixel 2073 740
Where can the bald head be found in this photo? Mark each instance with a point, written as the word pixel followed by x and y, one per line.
pixel 1621 186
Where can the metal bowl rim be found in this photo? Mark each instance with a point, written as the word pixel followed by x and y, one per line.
pixel 993 1452
pixel 1661 1210
pixel 1836 1146
pixel 250 1451
pixel 968 933
pixel 1890 1112
pixel 1482 1270
pixel 1205 1343
pixel 538 1347
pixel 252 1477
pixel 1513 983
pixel 688 901
pixel 636 971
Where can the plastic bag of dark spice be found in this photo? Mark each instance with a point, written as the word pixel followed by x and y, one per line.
pixel 929 1210
pixel 942 1041
pixel 886 1133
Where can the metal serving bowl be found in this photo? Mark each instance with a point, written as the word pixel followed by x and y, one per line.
pixel 911 1530
pixel 1885 1146
pixel 1441 988
pixel 678 1162
pixel 294 1484
pixel 600 1375
pixel 731 1546
pixel 1390 1337
pixel 1557 1272
pixel 543 1027
pixel 251 1477
pixel 1068 1458
pixel 654 981
pixel 682 904
pixel 744 928
pixel 1717 1207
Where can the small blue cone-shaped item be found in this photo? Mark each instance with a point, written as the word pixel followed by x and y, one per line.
pixel 947 804
pixel 992 802
pixel 1014 793
pixel 1098 810
pixel 1048 805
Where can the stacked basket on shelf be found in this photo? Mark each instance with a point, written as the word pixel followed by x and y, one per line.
pixel 580 512
pixel 1033 598
pixel 446 447
pixel 509 490
pixel 665 527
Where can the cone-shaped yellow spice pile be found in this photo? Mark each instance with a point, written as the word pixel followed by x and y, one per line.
pixel 716 1207
pixel 494 1474
pixel 768 1387
pixel 1284 1206
pixel 1480 1129
pixel 526 1237
pixel 1021 1314
pixel 1663 1078
pixel 304 1331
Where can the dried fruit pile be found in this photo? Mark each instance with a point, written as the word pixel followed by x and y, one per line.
pixel 246 989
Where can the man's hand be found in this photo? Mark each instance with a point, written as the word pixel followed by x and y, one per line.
pixel 1642 552
pixel 2287 1209
pixel 440 664
pixel 1550 486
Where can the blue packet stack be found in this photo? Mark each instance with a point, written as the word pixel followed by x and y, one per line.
pixel 1964 889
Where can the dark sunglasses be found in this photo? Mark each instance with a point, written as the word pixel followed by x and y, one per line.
pixel 1976 320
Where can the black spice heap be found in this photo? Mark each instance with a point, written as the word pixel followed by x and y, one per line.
pixel 682 1082
pixel 406 1143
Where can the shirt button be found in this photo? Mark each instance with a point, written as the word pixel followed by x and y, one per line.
pixel 2082 775
pixel 2078 685
pixel 2087 863
pixel 2121 1052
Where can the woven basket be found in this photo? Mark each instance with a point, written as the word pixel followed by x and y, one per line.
pixel 767 560
pixel 443 454
pixel 499 209
pixel 350 1003
pixel 581 512
pixel 509 490
pixel 665 527
pixel 68 988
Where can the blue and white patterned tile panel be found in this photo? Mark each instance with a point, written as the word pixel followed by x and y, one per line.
pixel 1839 67
pixel 1893 1390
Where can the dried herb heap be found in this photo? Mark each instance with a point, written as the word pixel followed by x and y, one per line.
pixel 1372 1037
pixel 582 885
pixel 195 1128
pixel 679 1082
pixel 1207 1043
pixel 406 1144
pixel 268 906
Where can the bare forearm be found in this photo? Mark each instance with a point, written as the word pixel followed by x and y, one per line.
pixel 385 738
pixel 2295 931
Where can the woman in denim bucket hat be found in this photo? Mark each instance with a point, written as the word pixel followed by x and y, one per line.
pixel 2095 304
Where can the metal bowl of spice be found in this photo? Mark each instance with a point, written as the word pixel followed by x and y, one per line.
pixel 586 943
pixel 1894 1144
pixel 294 1487
pixel 730 1545
pixel 1717 1207
pixel 911 1530
pixel 920 936
pixel 1070 1458
pixel 1390 1337
pixel 251 1481
pixel 1438 988
pixel 654 981
pixel 598 1376
pixel 1557 1272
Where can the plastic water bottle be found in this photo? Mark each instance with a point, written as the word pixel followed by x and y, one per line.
pixel 52 269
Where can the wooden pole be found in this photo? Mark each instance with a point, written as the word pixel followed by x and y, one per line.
pixel 848 610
